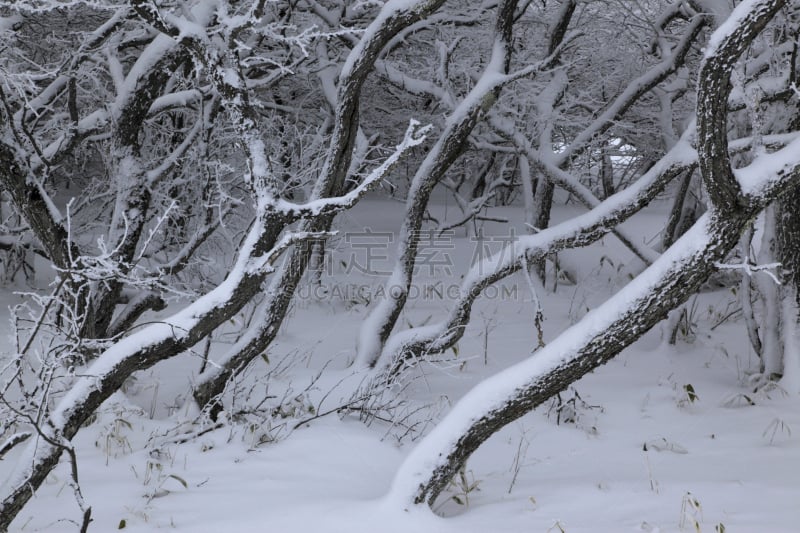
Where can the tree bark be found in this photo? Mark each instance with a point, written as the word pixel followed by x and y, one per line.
pixel 408 346
pixel 137 352
pixel 592 342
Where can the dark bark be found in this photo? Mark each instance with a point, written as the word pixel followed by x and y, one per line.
pixel 32 206
pixel 620 106
pixel 559 30
pixel 788 240
pixel 788 221
pixel 543 193
pixel 128 129
pixel 141 303
pixel 281 290
pixel 100 387
pixel 607 175
pixel 672 289
pixel 679 214
pixel 105 384
pixel 543 204
pixel 712 109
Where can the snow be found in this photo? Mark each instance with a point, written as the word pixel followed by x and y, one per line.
pixel 390 9
pixel 414 136
pixel 769 169
pixel 175 326
pixel 791 366
pixel 175 99
pixel 425 178
pixel 7 23
pixel 334 475
pixel 154 52
pixel 369 345
pixel 663 438
pixel 734 21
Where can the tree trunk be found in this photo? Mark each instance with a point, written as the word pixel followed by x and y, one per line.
pixel 382 318
pixel 682 214
pixel 411 345
pixel 772 344
pixel 542 205
pixel 592 342
pixel 398 15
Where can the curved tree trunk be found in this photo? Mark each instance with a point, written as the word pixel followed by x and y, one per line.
pixel 628 315
pixel 590 343
pixel 682 214
pixel 382 318
pixel 138 351
pixel 412 345
pixel 543 194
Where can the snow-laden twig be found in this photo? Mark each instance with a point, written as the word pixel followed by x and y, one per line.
pixel 414 136
pixel 538 314
pixel 154 230
pixel 14 440
pixel 749 268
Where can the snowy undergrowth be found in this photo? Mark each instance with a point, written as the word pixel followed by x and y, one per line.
pixel 664 438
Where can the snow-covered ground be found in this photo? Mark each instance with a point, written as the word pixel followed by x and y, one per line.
pixel 664 438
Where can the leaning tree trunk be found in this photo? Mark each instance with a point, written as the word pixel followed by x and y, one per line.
pixel 543 194
pixel 682 215
pixel 771 342
pixel 395 17
pixel 407 347
pixel 590 343
pixel 542 205
pixel 381 320
pixel 628 315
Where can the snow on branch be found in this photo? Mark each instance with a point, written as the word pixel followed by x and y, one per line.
pixel 566 181
pixel 502 398
pixel 749 269
pixel 739 22
pixel 768 170
pixel 579 231
pixel 634 91
pixel 405 346
pixel 262 265
pixel 138 351
pixel 414 136
pixel 14 440
pixel 725 47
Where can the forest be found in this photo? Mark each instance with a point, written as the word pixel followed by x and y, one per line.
pixel 380 250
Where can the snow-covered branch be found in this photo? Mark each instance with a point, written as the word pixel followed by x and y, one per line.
pixel 138 351
pixel 394 16
pixel 409 346
pixel 459 125
pixel 414 136
pixel 724 47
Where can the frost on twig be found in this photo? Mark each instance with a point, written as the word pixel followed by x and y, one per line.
pixel 749 269
pixel 14 440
